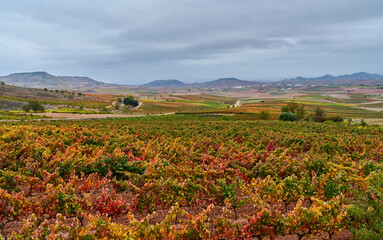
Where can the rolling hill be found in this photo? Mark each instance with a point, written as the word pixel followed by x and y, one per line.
pixel 356 78
pixel 14 97
pixel 46 80
pixel 219 83
pixel 225 83
pixel 165 83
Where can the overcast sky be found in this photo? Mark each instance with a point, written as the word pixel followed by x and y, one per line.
pixel 136 41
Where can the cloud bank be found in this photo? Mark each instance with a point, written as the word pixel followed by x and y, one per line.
pixel 133 42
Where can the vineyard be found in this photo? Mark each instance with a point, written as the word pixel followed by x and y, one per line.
pixel 190 177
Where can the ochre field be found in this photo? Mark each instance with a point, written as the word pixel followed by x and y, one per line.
pixel 190 177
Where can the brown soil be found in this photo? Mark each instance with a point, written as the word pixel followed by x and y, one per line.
pixel 242 213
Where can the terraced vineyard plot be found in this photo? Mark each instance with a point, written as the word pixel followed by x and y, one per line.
pixel 179 177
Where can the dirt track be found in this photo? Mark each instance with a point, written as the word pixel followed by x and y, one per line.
pixel 73 116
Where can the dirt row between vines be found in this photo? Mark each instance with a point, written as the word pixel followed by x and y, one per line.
pixel 159 215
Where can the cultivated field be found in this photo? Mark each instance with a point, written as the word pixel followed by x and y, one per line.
pixel 190 177
pixel 209 168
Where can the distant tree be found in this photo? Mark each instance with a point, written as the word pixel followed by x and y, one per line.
pixel 2 83
pixel 300 112
pixel 287 116
pixel 34 106
pixel 45 89
pixel 129 100
pixel 319 115
pixel 293 107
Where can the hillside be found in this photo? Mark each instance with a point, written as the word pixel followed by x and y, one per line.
pixel 225 83
pixel 356 78
pixel 164 83
pixel 46 80
pixel 13 97
pixel 219 83
pixel 7 105
pixel 38 94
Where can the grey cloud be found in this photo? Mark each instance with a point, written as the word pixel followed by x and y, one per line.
pixel 130 41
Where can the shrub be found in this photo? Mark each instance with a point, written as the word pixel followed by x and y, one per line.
pixel 34 106
pixel 225 118
pixel 319 115
pixel 130 101
pixel 287 116
pixel 264 115
pixel 293 107
pixel 300 112
pixel 26 108
pixel 335 118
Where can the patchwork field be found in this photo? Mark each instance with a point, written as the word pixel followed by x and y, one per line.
pixel 345 102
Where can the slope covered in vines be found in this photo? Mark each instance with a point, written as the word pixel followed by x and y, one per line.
pixel 176 177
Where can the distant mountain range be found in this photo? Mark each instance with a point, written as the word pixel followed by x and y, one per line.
pixel 356 78
pixel 46 80
pixel 226 82
pixel 49 81
pixel 219 83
